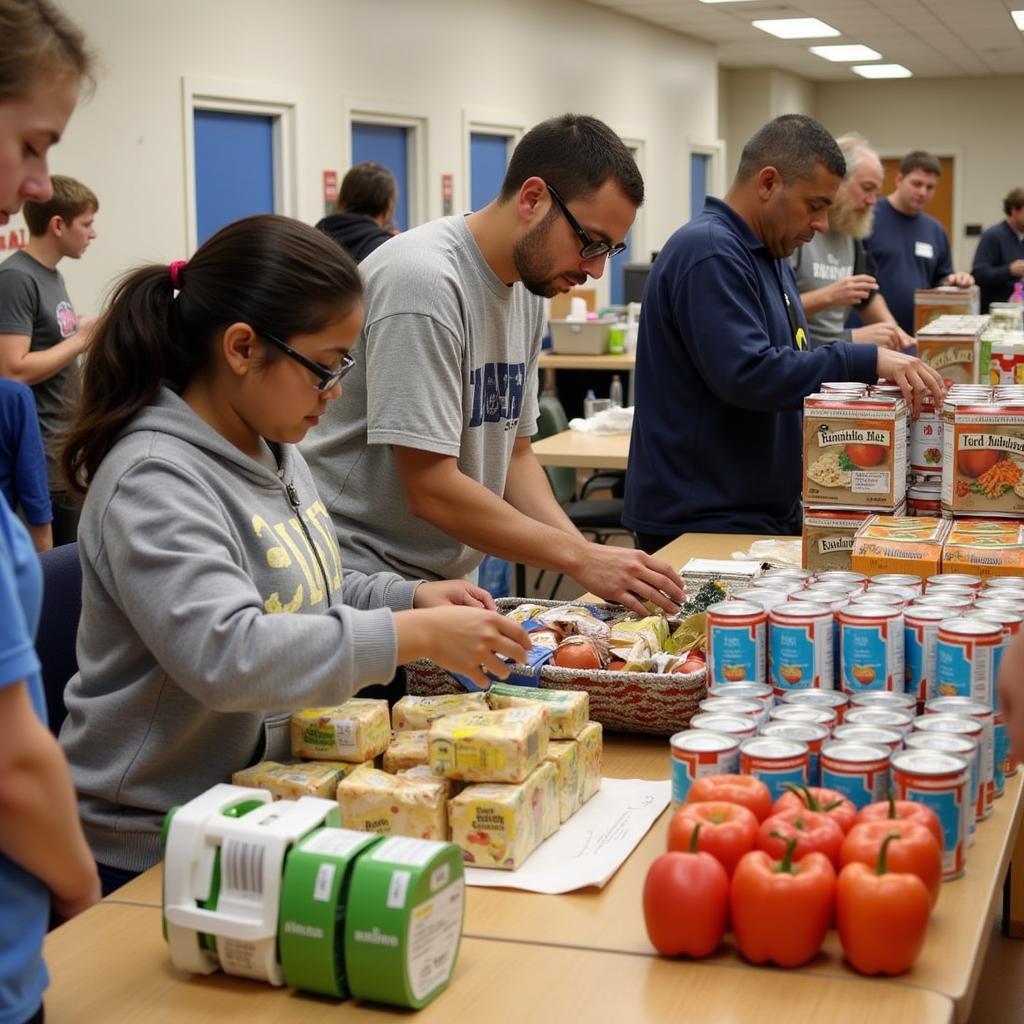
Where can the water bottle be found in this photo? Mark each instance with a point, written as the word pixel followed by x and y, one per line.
pixel 1018 292
pixel 588 404
pixel 615 392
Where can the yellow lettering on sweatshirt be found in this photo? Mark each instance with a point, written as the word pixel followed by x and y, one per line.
pixel 319 518
pixel 277 556
pixel 273 605
pixel 316 595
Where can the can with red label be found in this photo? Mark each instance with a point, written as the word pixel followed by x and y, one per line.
pixel 926 439
pixel 697 753
pixel 1010 617
pixel 800 647
pixel 731 725
pixel 776 762
pixel 924 498
pixel 962 727
pixel 966 748
pixel 938 780
pixel 833 700
pixel 920 634
pixel 885 718
pixel 736 642
pixel 807 732
pixel 860 771
pixel 871 648
pixel 744 691
pixel 983 714
pixel 965 655
pixel 873 735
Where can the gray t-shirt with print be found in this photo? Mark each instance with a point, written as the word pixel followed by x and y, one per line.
pixel 446 363
pixel 827 258
pixel 34 302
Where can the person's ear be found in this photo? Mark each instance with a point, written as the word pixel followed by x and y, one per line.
pixel 769 181
pixel 56 225
pixel 238 347
pixel 532 200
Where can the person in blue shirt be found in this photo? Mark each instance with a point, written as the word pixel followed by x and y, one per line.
pixel 44 858
pixel 23 480
pixel 909 247
pixel 999 258
pixel 723 363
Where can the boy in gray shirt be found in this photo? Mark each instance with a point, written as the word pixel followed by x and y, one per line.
pixel 40 334
pixel 427 464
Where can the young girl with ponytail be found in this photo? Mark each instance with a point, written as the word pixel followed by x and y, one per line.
pixel 214 600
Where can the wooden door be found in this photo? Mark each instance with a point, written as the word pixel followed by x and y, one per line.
pixel 941 205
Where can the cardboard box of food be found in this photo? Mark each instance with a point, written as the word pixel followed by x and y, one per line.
pixel 855 452
pixel 985 547
pixel 828 537
pixel 907 544
pixel 951 346
pixel 983 459
pixel 931 303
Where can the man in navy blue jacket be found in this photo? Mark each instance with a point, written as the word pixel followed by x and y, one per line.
pixel 722 360
pixel 999 258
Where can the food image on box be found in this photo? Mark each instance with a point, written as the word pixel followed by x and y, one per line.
pixel 828 537
pixel 1006 361
pixel 489 746
pixel 985 549
pixel 568 710
pixel 399 805
pixel 902 544
pixel 499 826
pixel 403 922
pixel 591 759
pixel 983 463
pixel 855 451
pixel 565 756
pixel 416 713
pixel 357 730
pixel 950 345
pixel 947 302
pixel 290 781
pixel 406 750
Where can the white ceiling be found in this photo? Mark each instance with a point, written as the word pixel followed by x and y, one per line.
pixel 934 38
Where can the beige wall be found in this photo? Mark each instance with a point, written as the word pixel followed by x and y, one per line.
pixel 520 63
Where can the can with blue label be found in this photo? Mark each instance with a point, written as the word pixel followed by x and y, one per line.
pixel 1002 753
pixel 961 726
pixel 871 648
pixel 966 748
pixel 938 780
pixel 800 647
pixel 920 634
pixel 1011 618
pixel 860 771
pixel 697 753
pixel 983 714
pixel 776 762
pixel 736 642
pixel 965 652
pixel 815 736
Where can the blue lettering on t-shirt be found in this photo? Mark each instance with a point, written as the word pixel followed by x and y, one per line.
pixel 497 393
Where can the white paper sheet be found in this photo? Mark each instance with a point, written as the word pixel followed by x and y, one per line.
pixel 592 845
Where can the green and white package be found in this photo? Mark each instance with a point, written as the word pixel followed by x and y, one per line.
pixel 310 938
pixel 403 921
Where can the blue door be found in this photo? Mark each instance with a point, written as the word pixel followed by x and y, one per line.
pixel 234 161
pixel 700 163
pixel 388 145
pixel 488 159
pixel 615 267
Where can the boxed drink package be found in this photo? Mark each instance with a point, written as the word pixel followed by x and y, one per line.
pixel 903 544
pixel 828 536
pixel 931 303
pixel 984 547
pixel 983 459
pixel 357 730
pixel 951 346
pixel 855 452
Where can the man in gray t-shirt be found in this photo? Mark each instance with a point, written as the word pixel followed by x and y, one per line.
pixel 40 335
pixel 425 463
pixel 834 271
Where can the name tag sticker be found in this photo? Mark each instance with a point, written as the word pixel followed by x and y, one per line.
pixel 924 250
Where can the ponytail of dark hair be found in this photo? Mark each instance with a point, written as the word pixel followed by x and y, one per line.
pixel 276 274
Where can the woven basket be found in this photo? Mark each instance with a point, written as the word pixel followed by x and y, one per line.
pixel 621 701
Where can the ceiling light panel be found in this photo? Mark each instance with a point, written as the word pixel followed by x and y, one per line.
pixel 882 71
pixel 796 28
pixel 853 52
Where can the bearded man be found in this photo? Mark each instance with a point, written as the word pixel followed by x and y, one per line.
pixel 835 273
pixel 425 463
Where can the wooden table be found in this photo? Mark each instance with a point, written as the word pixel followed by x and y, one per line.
pixel 583 451
pixel 623 362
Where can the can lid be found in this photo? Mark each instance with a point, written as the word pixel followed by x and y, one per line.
pixel 856 732
pixel 722 723
pixel 731 706
pixel 735 609
pixel 897 579
pixel 933 612
pixel 957 705
pixel 816 698
pixel 741 690
pixel 951 741
pixel 879 716
pixel 883 698
pixel 808 732
pixel 703 740
pixel 802 713
pixel 946 722
pixel 864 753
pixel 798 610
pixel 968 626
pixel 870 610
pixel 928 762
pixel 772 746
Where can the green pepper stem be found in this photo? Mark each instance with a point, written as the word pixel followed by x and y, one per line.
pixel 693 838
pixel 786 865
pixel 803 793
pixel 883 853
pixel 892 805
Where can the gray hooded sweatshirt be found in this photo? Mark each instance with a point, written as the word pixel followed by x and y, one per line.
pixel 211 609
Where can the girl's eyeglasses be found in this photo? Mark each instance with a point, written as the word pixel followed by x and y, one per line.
pixel 327 378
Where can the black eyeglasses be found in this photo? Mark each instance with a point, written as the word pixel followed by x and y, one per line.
pixel 327 378
pixel 592 247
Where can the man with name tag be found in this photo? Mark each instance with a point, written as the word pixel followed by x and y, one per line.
pixel 909 247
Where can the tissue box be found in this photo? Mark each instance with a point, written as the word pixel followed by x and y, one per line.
pixel 580 337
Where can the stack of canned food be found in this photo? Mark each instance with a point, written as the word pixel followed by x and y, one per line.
pixel 863 685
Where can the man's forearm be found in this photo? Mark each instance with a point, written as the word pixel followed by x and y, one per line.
pixel 816 300
pixel 35 367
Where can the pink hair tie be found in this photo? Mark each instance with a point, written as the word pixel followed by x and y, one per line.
pixel 176 267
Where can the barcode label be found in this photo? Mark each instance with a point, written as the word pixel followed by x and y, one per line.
pixel 242 864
